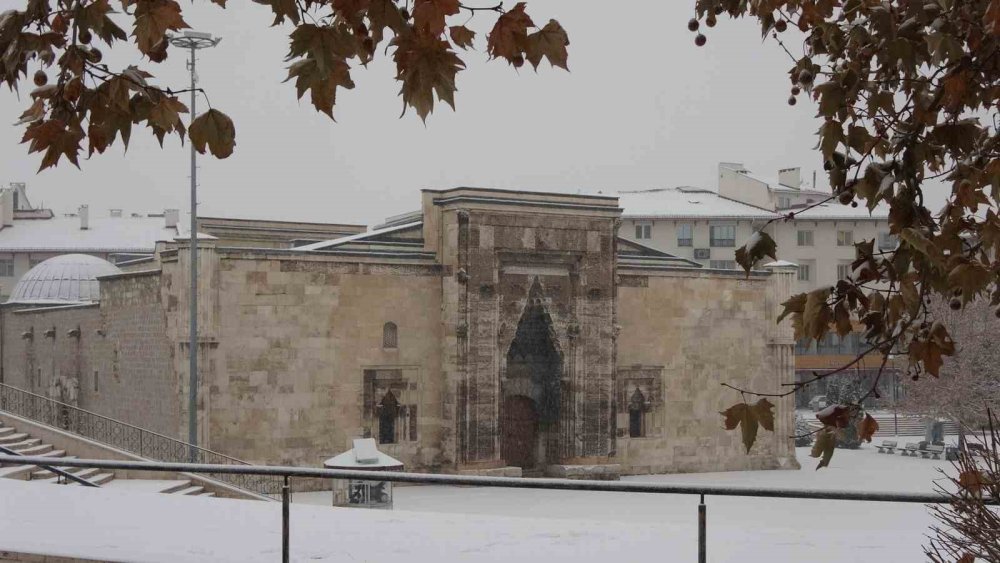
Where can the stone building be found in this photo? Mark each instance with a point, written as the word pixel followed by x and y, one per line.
pixel 493 332
pixel 707 225
pixel 29 235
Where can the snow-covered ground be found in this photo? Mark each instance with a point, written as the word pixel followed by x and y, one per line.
pixel 434 523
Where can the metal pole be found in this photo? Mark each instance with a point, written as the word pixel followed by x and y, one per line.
pixel 895 403
pixel 701 531
pixel 285 501
pixel 193 336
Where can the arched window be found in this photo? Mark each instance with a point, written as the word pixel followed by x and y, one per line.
pixel 390 335
pixel 387 414
pixel 636 406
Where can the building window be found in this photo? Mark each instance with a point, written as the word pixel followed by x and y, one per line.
pixel 390 335
pixel 387 412
pixel 845 238
pixel 844 270
pixel 887 241
pixel 784 202
pixel 805 238
pixel 722 235
pixel 97 387
pixel 7 267
pixel 636 407
pixel 685 234
pixel 804 272
pixel 32 262
pixel 643 230
pixel 722 264
pixel 116 364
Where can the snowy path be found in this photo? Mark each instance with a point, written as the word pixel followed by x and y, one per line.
pixel 479 525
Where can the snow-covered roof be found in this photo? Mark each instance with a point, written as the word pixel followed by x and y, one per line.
pixel 835 210
pixel 104 234
pixel 686 203
pixel 65 279
pixel 776 187
pixel 328 244
pixel 364 455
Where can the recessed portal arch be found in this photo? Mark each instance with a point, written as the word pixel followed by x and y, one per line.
pixel 532 388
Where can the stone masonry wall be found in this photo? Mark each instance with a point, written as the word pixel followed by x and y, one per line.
pixel 33 363
pixel 145 389
pixel 699 330
pixel 301 356
pixel 119 356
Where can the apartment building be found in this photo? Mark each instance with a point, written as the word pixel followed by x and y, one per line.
pixel 708 225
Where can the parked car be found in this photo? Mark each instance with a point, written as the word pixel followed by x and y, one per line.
pixel 818 403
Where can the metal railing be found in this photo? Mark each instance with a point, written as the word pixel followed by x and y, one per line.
pixel 132 439
pixel 286 473
pixel 59 473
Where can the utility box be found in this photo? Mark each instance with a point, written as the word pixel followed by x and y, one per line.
pixel 357 493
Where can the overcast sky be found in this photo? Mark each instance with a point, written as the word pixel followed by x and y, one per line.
pixel 641 107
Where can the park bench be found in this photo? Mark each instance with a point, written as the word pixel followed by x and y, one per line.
pixel 932 451
pixel 910 449
pixel 887 447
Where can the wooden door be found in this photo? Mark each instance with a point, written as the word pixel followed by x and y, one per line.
pixel 520 432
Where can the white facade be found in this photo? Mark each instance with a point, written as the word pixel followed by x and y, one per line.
pixel 682 221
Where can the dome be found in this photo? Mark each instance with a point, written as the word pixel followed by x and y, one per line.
pixel 70 278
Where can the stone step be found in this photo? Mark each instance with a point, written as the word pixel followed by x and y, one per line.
pixel 179 486
pixel 4 430
pixel 22 471
pixel 36 450
pixel 97 479
pixel 12 438
pixel 80 472
pixel 29 443
pixel 88 473
pixel 190 491
pixel 207 495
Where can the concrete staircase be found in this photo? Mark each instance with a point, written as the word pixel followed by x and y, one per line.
pixel 24 444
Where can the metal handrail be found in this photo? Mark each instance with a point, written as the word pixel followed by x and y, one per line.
pixel 286 473
pixel 55 470
pixel 505 482
pixel 133 439
pixel 122 423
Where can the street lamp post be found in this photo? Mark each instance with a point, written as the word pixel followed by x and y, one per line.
pixel 193 41
pixel 895 395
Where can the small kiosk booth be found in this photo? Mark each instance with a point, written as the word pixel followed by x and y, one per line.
pixel 363 494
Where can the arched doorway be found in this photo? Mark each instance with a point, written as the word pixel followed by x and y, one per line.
pixel 387 413
pixel 520 436
pixel 532 390
pixel 636 407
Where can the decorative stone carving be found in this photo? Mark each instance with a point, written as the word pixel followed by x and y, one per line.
pixel 487 290
pixel 573 330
